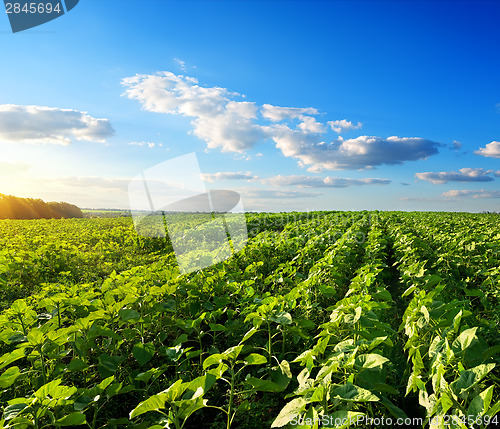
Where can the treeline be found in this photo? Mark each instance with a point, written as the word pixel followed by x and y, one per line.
pixel 30 208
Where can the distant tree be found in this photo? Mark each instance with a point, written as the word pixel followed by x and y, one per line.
pixel 29 208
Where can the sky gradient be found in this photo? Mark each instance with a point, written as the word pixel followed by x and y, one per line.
pixel 325 105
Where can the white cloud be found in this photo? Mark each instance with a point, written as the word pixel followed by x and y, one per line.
pixel 233 126
pixel 318 182
pixel 165 92
pixel 278 114
pixel 231 130
pixel 228 176
pixel 221 122
pixel 310 125
pixel 47 125
pixel 463 175
pixel 181 64
pixel 344 125
pixel 471 193
pixel 492 150
pixel 422 199
pixel 146 144
pixel 360 153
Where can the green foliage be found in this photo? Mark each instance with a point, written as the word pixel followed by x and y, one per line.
pixel 346 315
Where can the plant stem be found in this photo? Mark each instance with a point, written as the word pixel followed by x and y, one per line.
pixel 231 397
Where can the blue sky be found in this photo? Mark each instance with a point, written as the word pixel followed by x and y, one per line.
pixel 295 105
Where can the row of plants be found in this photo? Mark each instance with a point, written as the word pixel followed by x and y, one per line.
pixel 137 331
pixel 298 329
pixel 451 362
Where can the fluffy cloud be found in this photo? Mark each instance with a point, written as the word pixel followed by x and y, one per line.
pixel 232 130
pixel 360 153
pixel 279 114
pixel 343 125
pixel 463 175
pixel 491 150
pixel 318 182
pixel 39 125
pixel 235 126
pixel 221 122
pixel 228 176
pixel 471 193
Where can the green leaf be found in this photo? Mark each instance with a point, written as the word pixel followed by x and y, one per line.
pixel 83 402
pixel 425 312
pixel 12 411
pixel 244 406
pixel 492 351
pixel 281 374
pixel 100 331
pixel 214 359
pixel 205 382
pixel 255 359
pixel 175 391
pixel 105 383
pixel 36 337
pixel 232 353
pixel 18 338
pixel 351 393
pixel 219 370
pixel 464 340
pixel 113 389
pixel 189 406
pixel 47 389
pixel 249 334
pixel 153 403
pixel 372 360
pixel 471 377
pixel 409 290
pixel 9 377
pixel 77 365
pixel 171 353
pixel 108 365
pixel 282 318
pixel 357 314
pixel 216 327
pixel 128 314
pixel 264 385
pixel 143 353
pixel 480 404
pixel 55 391
pixel 289 412
pixel 74 419
pixel 393 409
pixel 8 358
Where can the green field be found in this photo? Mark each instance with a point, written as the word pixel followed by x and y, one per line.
pixel 325 317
